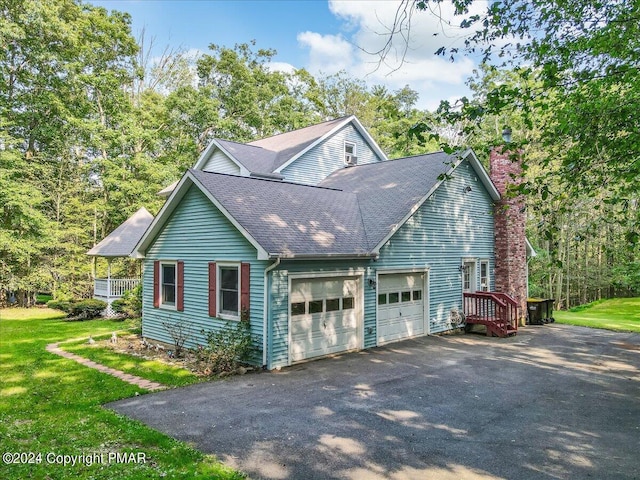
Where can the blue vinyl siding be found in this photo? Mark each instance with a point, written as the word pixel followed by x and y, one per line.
pixel 449 226
pixel 219 162
pixel 197 233
pixel 278 338
pixel 327 157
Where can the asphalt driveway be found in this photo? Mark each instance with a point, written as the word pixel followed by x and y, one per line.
pixel 553 402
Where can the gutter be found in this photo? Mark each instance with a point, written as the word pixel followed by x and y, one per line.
pixel 265 309
pixel 328 256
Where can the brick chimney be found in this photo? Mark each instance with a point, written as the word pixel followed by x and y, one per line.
pixel 509 227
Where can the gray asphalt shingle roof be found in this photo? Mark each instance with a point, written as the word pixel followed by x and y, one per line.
pixel 290 219
pixel 349 213
pixel 254 158
pixel 122 241
pixel 268 154
pixel 287 145
pixel 387 191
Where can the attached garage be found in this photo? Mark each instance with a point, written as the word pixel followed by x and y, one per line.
pixel 325 316
pixel 401 306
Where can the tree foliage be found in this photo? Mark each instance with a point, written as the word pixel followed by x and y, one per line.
pixel 584 58
pixel 93 125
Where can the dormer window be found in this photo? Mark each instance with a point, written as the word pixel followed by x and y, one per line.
pixel 350 157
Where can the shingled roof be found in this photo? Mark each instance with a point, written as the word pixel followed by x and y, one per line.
pixel 287 145
pixel 122 241
pixel 387 191
pixel 290 219
pixel 252 157
pixel 352 212
pixel 271 154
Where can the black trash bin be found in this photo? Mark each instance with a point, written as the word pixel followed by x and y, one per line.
pixel 540 311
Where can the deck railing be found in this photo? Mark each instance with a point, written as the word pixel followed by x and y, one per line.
pixel 114 287
pixel 494 309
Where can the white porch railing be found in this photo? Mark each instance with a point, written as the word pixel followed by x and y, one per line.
pixel 114 287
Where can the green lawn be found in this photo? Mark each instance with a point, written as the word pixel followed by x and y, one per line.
pixel 620 314
pixel 52 406
pixel 149 369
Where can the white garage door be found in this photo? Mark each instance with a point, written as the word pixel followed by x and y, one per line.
pixel 400 306
pixel 324 316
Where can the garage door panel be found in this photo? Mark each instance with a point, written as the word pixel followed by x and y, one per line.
pixel 317 345
pixel 400 306
pixel 301 324
pixel 305 290
pixel 323 322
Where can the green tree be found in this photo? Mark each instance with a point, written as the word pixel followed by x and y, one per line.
pixel 63 67
pixel 584 56
pixel 253 100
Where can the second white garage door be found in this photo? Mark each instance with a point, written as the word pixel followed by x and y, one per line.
pixel 400 306
pixel 325 315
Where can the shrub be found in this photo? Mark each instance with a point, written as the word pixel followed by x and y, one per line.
pixel 226 348
pixel 43 298
pixel 82 309
pixel 85 309
pixel 130 304
pixel 63 305
pixel 179 332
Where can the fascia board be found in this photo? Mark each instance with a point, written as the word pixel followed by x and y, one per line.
pixel 368 138
pixel 482 174
pixel 466 155
pixel 359 127
pixel 165 212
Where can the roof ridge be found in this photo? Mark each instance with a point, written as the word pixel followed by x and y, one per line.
pixel 244 144
pixel 280 182
pixel 400 158
pixel 302 128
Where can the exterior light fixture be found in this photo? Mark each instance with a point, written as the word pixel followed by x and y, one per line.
pixel 506 135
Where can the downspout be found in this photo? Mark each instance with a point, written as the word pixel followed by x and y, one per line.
pixel 265 309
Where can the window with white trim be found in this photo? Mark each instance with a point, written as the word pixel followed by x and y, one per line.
pixel 484 275
pixel 466 278
pixel 350 157
pixel 168 284
pixel 229 291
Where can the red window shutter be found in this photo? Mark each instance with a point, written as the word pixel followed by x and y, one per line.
pixel 180 287
pixel 212 289
pixel 245 269
pixel 156 284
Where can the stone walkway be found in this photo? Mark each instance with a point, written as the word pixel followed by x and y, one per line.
pixel 132 379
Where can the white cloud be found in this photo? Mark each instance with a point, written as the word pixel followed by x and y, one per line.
pixel 410 56
pixel 283 67
pixel 327 53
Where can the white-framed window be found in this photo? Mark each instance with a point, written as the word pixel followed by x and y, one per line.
pixel 484 276
pixel 168 284
pixel 229 290
pixel 350 154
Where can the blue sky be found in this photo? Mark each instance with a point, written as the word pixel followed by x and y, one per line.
pixel 319 35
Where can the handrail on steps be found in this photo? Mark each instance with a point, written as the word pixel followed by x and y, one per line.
pixel 495 308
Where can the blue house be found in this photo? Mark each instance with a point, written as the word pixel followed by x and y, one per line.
pixel 322 244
